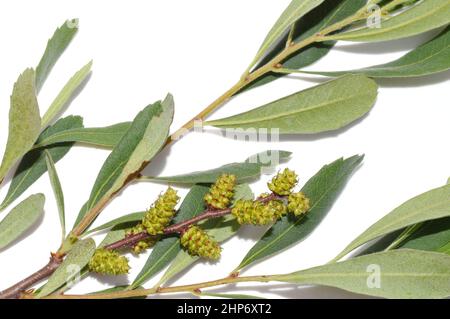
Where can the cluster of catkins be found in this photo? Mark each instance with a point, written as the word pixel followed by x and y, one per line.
pixel 265 210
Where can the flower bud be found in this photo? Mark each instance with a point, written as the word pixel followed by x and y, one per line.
pixel 198 243
pixel 257 213
pixel 298 204
pixel 221 193
pixel 108 262
pixel 143 245
pixel 283 183
pixel 161 213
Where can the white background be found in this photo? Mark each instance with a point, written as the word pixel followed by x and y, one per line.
pixel 196 50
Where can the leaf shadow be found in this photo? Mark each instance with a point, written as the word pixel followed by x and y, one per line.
pixel 112 281
pixel 286 291
pixel 25 234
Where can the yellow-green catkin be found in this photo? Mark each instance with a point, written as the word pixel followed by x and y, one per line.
pixel 198 243
pixel 161 213
pixel 298 204
pixel 257 213
pixel 221 193
pixel 283 183
pixel 108 262
pixel 143 245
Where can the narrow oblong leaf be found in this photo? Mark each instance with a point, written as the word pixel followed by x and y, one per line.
pixel 129 218
pixel 428 206
pixel 55 48
pixel 66 94
pixel 167 249
pixel 57 190
pixel 33 164
pixel 78 257
pixel 21 218
pixel 325 107
pixel 98 136
pixel 221 229
pixel 295 10
pixel 429 58
pixel 432 236
pixel 138 146
pixel 395 274
pixel 24 121
pixel 328 13
pixel 244 171
pixel 424 16
pixel 322 190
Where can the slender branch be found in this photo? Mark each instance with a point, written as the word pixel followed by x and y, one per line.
pixel 167 290
pixel 16 290
pixel 245 80
pixel 179 228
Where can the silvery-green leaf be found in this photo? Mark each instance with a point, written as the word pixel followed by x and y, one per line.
pixel 244 171
pixel 66 94
pixel 78 257
pixel 322 190
pixel 428 206
pixel 130 218
pixel 33 164
pixel 55 48
pixel 138 146
pixel 429 58
pixel 57 190
pixel 20 219
pixel 24 121
pixel 295 10
pixel 426 15
pixel 98 136
pixel 394 274
pixel 325 107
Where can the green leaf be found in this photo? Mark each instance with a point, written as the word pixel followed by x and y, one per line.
pixel 429 58
pixel 66 94
pixel 244 171
pixel 325 107
pixel 138 146
pixel 57 190
pixel 295 10
pixel 33 164
pixel 432 236
pixel 98 136
pixel 428 206
pixel 133 217
pixel 426 15
pixel 328 13
pixel 24 121
pixel 55 48
pixel 167 249
pixel 403 274
pixel 78 257
pixel 322 190
pixel 20 219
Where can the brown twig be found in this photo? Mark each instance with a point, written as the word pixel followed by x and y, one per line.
pixel 16 290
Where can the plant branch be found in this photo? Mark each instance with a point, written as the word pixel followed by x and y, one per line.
pixel 181 227
pixel 245 80
pixel 167 290
pixel 16 290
